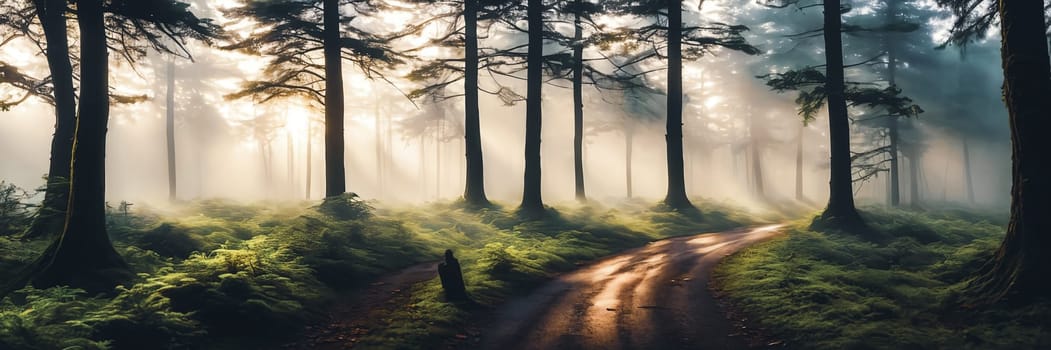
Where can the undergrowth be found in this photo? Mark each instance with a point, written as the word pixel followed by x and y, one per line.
pixel 895 289
pixel 219 274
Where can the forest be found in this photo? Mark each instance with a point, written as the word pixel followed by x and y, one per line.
pixel 336 174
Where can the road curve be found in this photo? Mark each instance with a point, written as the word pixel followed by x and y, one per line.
pixel 653 297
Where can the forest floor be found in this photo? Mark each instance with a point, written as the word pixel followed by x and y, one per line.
pixel 896 287
pixel 653 297
pixel 352 316
pixel 217 274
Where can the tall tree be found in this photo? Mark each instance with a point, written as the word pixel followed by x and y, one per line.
pixel 641 105
pixel 335 174
pixel 755 155
pixel 169 125
pixel 578 101
pixel 698 40
pixel 829 88
pixel 892 127
pixel 840 209
pixel 474 187
pixel 82 256
pixel 440 72
pixel 298 35
pixel 50 217
pixel 1020 266
pixel 532 203
pixel 572 65
pixel 676 196
pixel 162 25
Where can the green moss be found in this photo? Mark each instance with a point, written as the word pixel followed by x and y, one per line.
pixel 826 290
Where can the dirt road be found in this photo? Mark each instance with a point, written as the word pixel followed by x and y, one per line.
pixel 654 297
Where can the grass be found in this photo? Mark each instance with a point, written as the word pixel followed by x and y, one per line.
pixel 217 274
pixel 896 290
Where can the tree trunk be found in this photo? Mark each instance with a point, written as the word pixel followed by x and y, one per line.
pixel 51 215
pixel 531 200
pixel 895 176
pixel 578 103
pixel 967 172
pixel 310 157
pixel 169 124
pixel 757 163
pixel 676 197
pixel 290 162
pixel 83 256
pixel 268 167
pixel 840 210
pixel 892 129
pixel 335 174
pixel 379 149
pixel 799 166
pixel 1021 265
pixel 628 136
pixel 914 181
pixel 474 184
pixel 421 173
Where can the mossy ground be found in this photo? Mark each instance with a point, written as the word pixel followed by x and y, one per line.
pixel 895 289
pixel 221 275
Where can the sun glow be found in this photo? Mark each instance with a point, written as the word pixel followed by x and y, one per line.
pixel 296 119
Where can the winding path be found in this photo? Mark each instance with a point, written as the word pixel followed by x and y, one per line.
pixel 653 297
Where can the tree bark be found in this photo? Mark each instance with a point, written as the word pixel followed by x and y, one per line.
pixel 676 197
pixel 83 256
pixel 169 124
pixel 335 174
pixel 474 184
pixel 840 210
pixel 51 215
pixel 1021 265
pixel 531 199
pixel 578 104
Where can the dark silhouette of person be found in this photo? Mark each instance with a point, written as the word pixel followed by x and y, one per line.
pixel 452 278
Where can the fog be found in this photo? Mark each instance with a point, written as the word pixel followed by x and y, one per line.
pixel 398 152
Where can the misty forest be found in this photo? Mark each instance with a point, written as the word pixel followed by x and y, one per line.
pixel 537 174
